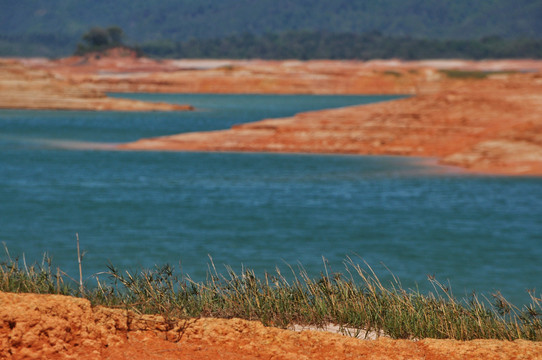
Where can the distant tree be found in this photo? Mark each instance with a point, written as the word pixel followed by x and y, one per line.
pixel 100 39
pixel 115 35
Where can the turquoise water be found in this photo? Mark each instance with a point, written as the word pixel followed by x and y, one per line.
pixel 136 209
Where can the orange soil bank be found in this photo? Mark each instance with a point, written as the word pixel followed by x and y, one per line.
pixel 58 327
pixel 490 126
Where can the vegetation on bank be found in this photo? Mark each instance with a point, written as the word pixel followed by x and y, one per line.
pixel 99 40
pixel 285 45
pixel 356 299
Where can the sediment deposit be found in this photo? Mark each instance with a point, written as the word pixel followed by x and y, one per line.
pixel 59 327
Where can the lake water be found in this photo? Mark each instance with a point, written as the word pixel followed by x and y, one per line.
pixel 136 209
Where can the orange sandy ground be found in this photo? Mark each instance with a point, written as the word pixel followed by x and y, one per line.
pixel 58 327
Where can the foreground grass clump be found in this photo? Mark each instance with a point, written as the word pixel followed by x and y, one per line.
pixel 356 300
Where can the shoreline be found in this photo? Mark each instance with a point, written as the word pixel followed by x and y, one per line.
pixel 483 116
pixel 431 162
pixel 488 133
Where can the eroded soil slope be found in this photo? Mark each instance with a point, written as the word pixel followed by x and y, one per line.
pixel 58 327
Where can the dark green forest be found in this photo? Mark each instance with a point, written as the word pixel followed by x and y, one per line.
pixel 317 45
pixel 54 27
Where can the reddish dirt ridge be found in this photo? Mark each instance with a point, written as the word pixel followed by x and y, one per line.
pixel 58 327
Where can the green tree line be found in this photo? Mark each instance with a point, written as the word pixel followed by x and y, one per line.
pixel 286 45
pixel 180 20
pixel 320 45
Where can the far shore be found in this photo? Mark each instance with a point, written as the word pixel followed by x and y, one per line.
pixel 485 126
pixel 22 87
pixel 482 116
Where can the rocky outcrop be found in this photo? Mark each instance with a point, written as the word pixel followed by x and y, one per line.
pixel 59 327
pixel 25 88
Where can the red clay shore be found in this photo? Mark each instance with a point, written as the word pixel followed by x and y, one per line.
pixel 484 116
pixel 487 126
pixel 59 327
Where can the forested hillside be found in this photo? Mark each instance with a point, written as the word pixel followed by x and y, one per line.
pixel 53 27
pixel 318 45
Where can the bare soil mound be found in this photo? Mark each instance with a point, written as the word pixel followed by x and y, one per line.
pixel 59 327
